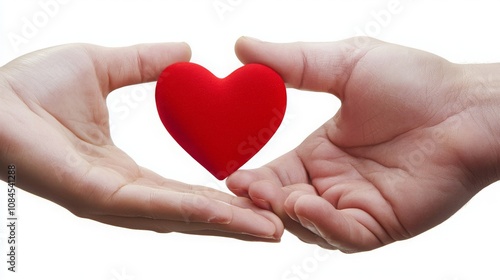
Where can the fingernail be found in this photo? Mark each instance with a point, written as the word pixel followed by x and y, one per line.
pixel 267 230
pixel 309 225
pixel 219 220
pixel 262 204
pixel 252 38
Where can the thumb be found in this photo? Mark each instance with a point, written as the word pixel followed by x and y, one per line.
pixel 141 63
pixel 324 67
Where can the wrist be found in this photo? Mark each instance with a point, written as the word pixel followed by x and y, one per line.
pixel 480 100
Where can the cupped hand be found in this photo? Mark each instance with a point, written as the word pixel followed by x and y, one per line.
pixel 408 147
pixel 55 129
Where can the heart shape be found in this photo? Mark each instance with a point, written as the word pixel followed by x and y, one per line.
pixel 221 123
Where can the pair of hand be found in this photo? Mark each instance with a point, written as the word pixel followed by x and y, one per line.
pixel 399 157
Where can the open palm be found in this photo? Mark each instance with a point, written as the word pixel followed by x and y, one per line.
pixel 393 162
pixel 55 129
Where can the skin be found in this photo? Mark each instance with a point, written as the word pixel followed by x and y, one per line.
pixel 415 138
pixel 55 130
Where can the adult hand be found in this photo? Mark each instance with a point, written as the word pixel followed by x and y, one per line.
pixel 53 114
pixel 415 138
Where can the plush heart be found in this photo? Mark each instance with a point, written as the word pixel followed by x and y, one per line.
pixel 221 123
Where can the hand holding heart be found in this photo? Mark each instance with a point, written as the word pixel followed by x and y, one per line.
pixel 415 138
pixel 53 108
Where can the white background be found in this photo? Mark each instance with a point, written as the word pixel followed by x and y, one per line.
pixel 54 244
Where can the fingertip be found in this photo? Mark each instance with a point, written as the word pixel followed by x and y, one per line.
pixel 240 177
pixel 239 48
pixel 171 52
pixel 307 223
pixel 252 39
pixel 244 49
pixel 256 224
pixel 185 51
pixel 239 181
pixel 319 216
pixel 245 203
pixel 270 231
pixel 308 206
pixel 262 192
pixel 289 205
pixel 297 191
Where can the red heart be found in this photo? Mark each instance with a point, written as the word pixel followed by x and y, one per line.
pixel 221 123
